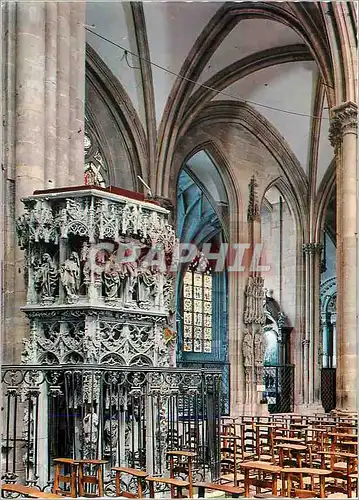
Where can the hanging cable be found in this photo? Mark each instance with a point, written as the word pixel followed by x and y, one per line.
pixel 218 92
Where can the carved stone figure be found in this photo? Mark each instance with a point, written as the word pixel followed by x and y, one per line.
pixel 46 278
pixel 247 348
pixel 90 434
pixel 110 435
pixel 168 293
pixel 113 276
pixel 70 277
pixel 254 310
pixel 259 347
pixel 147 283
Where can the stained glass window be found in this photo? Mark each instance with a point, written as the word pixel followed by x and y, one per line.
pixel 197 307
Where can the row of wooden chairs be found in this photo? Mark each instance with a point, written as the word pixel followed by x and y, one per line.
pixel 308 443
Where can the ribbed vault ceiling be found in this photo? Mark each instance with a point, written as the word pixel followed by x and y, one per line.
pixel 169 31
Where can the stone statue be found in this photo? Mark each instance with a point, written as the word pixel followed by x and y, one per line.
pixel 113 277
pixel 147 283
pixel 259 347
pixel 90 434
pixel 70 277
pixel 168 293
pixel 110 436
pixel 247 348
pixel 46 278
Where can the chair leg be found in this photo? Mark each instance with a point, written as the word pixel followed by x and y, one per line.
pixel 73 481
pixel 81 483
pixel 100 481
pixel 56 478
pixel 118 483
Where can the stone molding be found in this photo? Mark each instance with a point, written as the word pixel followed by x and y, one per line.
pixel 344 120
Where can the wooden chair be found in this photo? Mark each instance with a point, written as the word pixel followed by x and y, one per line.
pixel 343 471
pixel 27 491
pixel 297 473
pixel 178 466
pixel 95 477
pixel 260 479
pixel 229 459
pixel 178 485
pixel 139 474
pixel 68 479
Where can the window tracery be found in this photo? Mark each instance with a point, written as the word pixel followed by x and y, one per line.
pixel 197 307
pixel 96 172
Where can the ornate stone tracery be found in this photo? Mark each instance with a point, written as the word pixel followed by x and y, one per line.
pixel 97 261
pixel 253 213
pixel 253 346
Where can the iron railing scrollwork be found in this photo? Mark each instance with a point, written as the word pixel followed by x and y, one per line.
pixel 126 415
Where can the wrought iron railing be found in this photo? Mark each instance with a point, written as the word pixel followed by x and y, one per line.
pixel 128 416
pixel 279 388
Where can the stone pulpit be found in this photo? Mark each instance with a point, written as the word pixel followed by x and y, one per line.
pixel 99 281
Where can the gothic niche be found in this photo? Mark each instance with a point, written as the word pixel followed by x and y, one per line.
pixel 70 277
pixel 45 278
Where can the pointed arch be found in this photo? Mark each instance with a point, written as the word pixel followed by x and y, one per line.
pixel 116 123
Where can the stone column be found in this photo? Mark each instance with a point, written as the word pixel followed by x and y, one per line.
pixel 343 137
pixel 312 341
pixel 44 80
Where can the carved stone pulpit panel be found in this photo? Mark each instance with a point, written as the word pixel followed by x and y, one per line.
pixel 99 287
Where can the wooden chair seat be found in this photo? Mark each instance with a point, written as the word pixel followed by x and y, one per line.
pixel 230 477
pixel 27 491
pixel 129 470
pixel 168 480
pixel 174 483
pixel 139 474
pixel 298 493
pixel 234 491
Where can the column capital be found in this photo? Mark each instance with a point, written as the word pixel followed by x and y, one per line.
pixel 344 119
pixel 312 248
pixel 305 342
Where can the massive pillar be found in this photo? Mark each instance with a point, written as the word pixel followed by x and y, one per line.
pixel 44 63
pixel 343 137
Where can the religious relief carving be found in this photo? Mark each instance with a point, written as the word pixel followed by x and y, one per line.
pixel 110 436
pixel 70 277
pixel 147 284
pixel 99 248
pixel 247 348
pixel 259 347
pixel 114 277
pixel 344 120
pixel 253 212
pixel 168 293
pixel 259 350
pixel 254 303
pixel 90 435
pixel 46 277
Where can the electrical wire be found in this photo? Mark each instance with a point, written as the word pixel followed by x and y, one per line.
pixel 212 89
